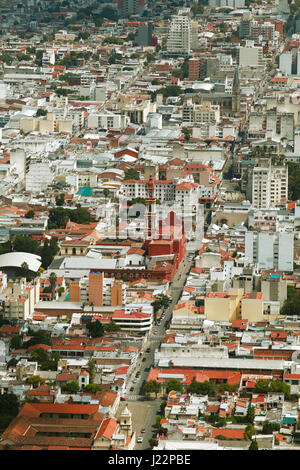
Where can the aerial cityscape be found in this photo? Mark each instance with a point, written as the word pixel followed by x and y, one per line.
pixel 150 226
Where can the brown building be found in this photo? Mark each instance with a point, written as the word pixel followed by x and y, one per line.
pixel 96 288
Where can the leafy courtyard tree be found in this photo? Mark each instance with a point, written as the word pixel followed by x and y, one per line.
pixel 53 279
pixel 9 408
pixel 92 388
pixel 174 384
pixel 152 387
pixel 71 387
pixel 202 388
pixel 95 329
pixel 131 174
pixel 30 214
pixel 45 360
pixel 35 380
pixel 253 445
pixel 92 370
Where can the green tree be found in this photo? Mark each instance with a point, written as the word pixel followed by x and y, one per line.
pixel 24 243
pixel 25 270
pixel 53 279
pixel 41 112
pixel 45 360
pixel 250 414
pixel 9 408
pixel 60 200
pixel 16 342
pixel 92 370
pixel 112 326
pixel 174 384
pixel 35 380
pixel 95 329
pixel 131 174
pixel 253 445
pixel 202 388
pixel 152 387
pixel 92 388
pixel 46 255
pixel 71 387
pixel 269 428
pixel 249 432
pixel 30 214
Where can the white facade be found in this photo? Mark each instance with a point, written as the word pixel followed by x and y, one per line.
pixel 270 250
pixel 107 121
pixel 163 190
pixel 39 177
pixel 269 186
pixel 180 34
pixel 285 63
pixel 251 55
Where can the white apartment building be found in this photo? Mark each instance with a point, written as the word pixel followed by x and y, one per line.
pixel 107 121
pixel 180 34
pixel 271 250
pixel 38 177
pixel 200 113
pixel 269 186
pixel 250 55
pixel 48 57
pixel 164 190
pixel 285 62
pixel 186 194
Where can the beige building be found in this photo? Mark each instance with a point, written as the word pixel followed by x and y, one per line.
pixel 252 306
pixel 50 124
pixel 223 306
pixel 234 305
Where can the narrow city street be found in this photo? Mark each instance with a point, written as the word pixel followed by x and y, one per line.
pixel 144 411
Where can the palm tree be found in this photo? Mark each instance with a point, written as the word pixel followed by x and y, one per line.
pixel 53 279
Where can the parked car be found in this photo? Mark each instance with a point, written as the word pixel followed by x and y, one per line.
pixel 139 439
pixel 123 399
pixel 143 360
pixel 143 430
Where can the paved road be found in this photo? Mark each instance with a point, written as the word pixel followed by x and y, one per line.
pixel 144 412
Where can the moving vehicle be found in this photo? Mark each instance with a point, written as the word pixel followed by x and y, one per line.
pixel 139 439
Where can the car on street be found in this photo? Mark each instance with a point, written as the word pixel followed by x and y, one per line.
pixel 143 360
pixel 134 381
pixel 140 439
pixel 143 430
pixel 123 399
pixel 132 388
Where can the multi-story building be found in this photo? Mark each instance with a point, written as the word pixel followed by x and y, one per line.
pixel 250 55
pixel 107 121
pixel 270 250
pixel 164 190
pixel 98 291
pixel 269 186
pixel 180 34
pixel 144 34
pixel 200 113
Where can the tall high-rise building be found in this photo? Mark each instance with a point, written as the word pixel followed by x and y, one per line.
pixel 130 7
pixel 180 34
pixel 144 34
pixel 96 288
pixel 269 185
pixel 270 250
